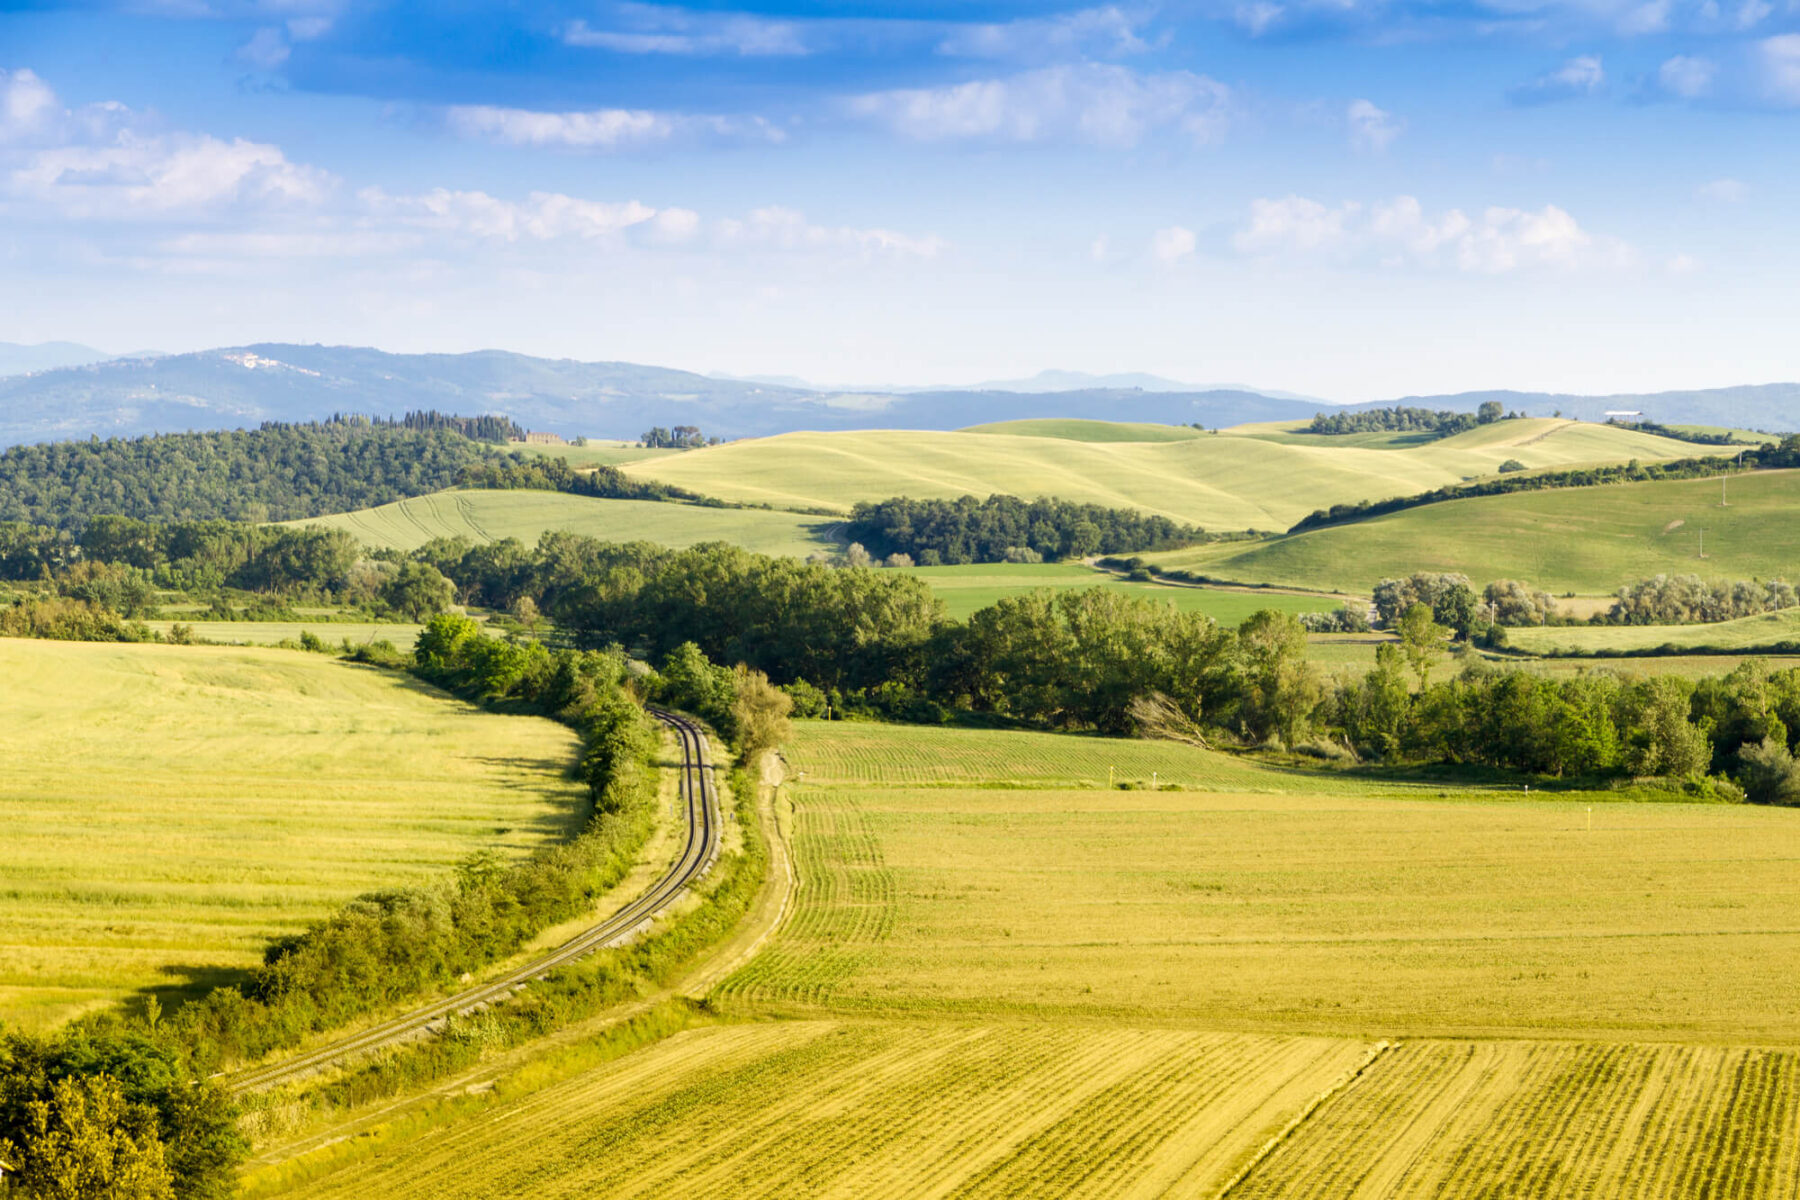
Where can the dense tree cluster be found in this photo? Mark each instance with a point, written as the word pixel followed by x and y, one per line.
pixel 1687 599
pixel 968 530
pixel 556 475
pixel 1786 455
pixel 682 437
pixel 275 473
pixel 1402 419
pixel 1699 437
pixel 491 428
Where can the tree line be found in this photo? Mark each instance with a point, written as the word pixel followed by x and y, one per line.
pixel 274 473
pixel 549 474
pixel 1006 528
pixel 1784 456
pixel 1403 419
pixel 1090 659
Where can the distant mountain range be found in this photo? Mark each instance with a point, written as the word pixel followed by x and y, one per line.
pixel 247 385
pixel 46 356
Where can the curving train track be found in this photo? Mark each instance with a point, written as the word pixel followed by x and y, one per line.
pixel 698 790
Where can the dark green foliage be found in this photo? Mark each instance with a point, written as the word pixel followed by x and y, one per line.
pixel 496 429
pixel 416 591
pixel 62 619
pixel 556 475
pixel 1401 419
pixel 275 473
pixel 1681 599
pixel 1782 457
pixel 1512 465
pixel 1698 437
pixel 967 530
pixel 33 551
pixel 190 1118
pixel 1769 773
pixel 682 437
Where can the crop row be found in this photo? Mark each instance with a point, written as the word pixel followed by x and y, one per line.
pixel 1544 1120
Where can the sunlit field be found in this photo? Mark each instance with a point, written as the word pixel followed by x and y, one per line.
pixel 169 809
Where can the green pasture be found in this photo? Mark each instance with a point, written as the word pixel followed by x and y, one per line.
pixel 965 589
pixel 487 516
pixel 1745 634
pixel 1569 539
pixel 1215 481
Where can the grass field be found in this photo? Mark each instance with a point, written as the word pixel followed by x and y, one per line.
pixel 968 588
pixel 1002 978
pixel 268 633
pixel 170 809
pixel 1252 900
pixel 829 1108
pixel 1575 539
pixel 1745 634
pixel 486 516
pixel 1216 481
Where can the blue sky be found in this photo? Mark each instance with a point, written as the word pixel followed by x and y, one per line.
pixel 1350 198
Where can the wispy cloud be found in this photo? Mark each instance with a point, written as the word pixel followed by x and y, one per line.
pixel 1723 191
pixel 1173 244
pixel 1099 104
pixel 1400 233
pixel 1372 129
pixel 1685 76
pixel 665 29
pixel 602 129
pixel 1778 62
pixel 1581 76
pixel 1105 32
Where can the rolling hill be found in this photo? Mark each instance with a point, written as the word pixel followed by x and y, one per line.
pixel 1573 539
pixel 485 516
pixel 245 385
pixel 1219 481
pixel 72 395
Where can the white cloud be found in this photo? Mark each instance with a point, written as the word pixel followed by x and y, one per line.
pixel 132 173
pixel 1778 62
pixel 1651 17
pixel 780 228
pixel 1372 129
pixel 1750 14
pixel 1293 223
pixel 1102 31
pixel 1581 76
pixel 1682 264
pixel 1725 191
pixel 27 104
pixel 540 217
pixel 1257 16
pixel 1095 103
pixel 600 129
pixel 663 29
pixel 267 49
pixel 1687 77
pixel 1173 244
pixel 1100 249
pixel 1399 232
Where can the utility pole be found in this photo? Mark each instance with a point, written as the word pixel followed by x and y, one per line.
pixel 1703 543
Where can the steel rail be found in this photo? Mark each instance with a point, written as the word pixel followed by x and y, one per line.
pixel 697 855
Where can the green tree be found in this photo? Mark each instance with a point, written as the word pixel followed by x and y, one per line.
pixel 760 711
pixel 85 1141
pixel 417 591
pixel 1768 772
pixel 1421 640
pixel 1281 690
pixel 1489 412
pixel 1662 740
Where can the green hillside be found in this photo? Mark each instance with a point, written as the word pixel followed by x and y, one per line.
pixel 486 516
pixel 1746 633
pixel 1075 430
pixel 1572 539
pixel 968 588
pixel 1224 481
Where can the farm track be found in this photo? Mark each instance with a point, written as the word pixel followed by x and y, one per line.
pixel 698 788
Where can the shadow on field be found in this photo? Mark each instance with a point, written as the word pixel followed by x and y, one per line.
pixel 185 983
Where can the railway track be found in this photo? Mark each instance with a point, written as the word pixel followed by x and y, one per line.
pixel 700 794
